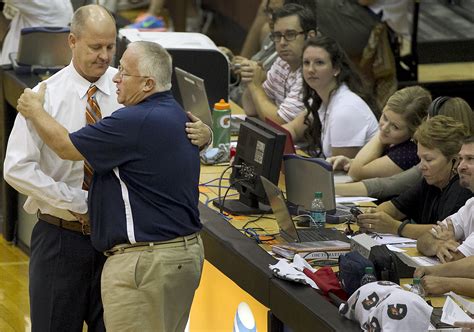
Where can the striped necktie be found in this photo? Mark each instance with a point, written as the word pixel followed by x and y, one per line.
pixel 93 115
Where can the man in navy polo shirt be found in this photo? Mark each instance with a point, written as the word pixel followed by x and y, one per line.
pixel 144 194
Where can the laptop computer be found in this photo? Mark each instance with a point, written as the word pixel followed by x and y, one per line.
pixel 287 227
pixel 193 95
pixel 40 50
pixel 305 176
pixel 44 46
pixel 289 145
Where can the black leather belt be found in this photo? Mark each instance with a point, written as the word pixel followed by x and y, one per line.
pixel 74 225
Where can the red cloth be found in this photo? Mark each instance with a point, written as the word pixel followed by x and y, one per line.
pixel 327 282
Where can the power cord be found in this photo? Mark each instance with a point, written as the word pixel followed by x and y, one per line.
pixel 222 202
pixel 220 185
pixel 259 238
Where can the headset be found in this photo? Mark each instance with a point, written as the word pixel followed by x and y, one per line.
pixel 436 104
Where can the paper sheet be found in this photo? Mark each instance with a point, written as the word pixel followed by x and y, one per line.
pixel 452 312
pixel 395 249
pixel 385 238
pixel 467 305
pixel 417 261
pixel 425 261
pixel 342 177
pixel 355 199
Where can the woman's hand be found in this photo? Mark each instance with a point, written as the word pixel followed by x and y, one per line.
pixel 379 222
pixel 340 163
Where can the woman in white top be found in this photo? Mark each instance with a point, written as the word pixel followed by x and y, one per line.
pixel 339 120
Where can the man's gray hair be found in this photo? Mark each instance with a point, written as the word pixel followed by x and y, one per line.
pixel 155 61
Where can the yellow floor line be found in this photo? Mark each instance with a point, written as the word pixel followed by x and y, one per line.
pixel 14 263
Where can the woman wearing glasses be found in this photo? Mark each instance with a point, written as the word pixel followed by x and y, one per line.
pixel 339 119
pixel 435 197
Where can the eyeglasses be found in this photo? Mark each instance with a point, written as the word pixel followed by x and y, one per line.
pixel 289 35
pixel 122 74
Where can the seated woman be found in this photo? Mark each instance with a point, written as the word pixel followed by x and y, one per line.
pixel 391 151
pixel 339 120
pixel 437 195
pixel 384 188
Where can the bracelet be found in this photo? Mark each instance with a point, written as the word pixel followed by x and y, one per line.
pixel 401 227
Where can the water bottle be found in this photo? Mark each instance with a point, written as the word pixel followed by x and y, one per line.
pixel 368 276
pixel 417 288
pixel 221 124
pixel 318 212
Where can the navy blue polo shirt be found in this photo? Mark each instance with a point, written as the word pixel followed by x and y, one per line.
pixel 146 174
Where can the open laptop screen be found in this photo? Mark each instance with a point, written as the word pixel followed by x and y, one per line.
pixel 280 210
pixel 193 95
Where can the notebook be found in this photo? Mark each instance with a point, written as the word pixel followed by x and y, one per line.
pixel 304 176
pixel 193 95
pixel 289 146
pixel 287 227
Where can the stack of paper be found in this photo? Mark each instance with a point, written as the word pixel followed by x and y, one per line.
pixel 312 250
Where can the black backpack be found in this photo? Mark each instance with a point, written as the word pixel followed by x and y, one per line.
pixel 388 266
pixel 351 269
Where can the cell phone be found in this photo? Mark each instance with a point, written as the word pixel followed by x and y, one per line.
pixel 355 211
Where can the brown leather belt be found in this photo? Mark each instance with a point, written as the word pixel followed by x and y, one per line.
pixel 142 246
pixel 74 226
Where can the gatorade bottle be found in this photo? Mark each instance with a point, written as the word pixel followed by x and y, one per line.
pixel 221 124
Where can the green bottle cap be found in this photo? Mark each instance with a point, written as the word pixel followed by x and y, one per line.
pixel 369 269
pixel 416 281
pixel 318 194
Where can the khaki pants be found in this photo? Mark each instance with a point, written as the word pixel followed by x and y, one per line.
pixel 151 288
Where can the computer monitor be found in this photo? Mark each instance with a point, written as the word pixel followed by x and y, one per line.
pixel 259 153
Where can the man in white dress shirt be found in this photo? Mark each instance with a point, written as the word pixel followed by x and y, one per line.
pixel 65 270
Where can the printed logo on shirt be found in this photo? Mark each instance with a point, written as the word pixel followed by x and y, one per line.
pixel 371 301
pixel 397 312
pixel 373 326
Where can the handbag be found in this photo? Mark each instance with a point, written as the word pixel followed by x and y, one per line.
pixel 388 266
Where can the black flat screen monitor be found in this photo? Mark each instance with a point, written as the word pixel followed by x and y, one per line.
pixel 259 153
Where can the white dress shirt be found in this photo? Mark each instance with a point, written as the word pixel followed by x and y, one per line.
pixel 53 185
pixel 463 222
pixel 34 13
